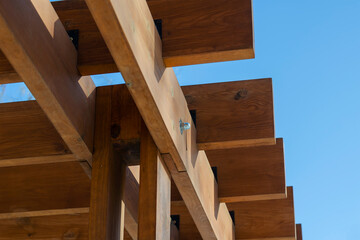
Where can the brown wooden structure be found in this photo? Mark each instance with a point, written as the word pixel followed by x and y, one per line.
pixel 121 162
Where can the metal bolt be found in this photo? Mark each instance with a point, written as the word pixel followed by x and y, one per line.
pixel 184 126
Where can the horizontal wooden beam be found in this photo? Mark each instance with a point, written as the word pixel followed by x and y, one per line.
pixel 43 187
pixel 37 160
pixel 6 78
pixel 269 219
pixel 43 213
pixel 209 40
pixel 258 220
pixel 204 31
pixel 248 174
pixel 36 44
pixel 133 40
pixel 232 114
pixel 66 226
pixel 26 132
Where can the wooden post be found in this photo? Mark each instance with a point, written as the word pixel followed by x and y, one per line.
pixel 155 184
pixel 106 219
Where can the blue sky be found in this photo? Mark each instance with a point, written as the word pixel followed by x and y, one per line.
pixel 311 49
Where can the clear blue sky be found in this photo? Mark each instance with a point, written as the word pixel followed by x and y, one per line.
pixel 311 49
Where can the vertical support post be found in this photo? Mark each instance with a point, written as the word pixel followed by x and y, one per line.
pixel 155 194
pixel 106 220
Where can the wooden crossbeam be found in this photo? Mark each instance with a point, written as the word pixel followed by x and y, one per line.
pixel 248 174
pixel 257 220
pixel 38 47
pixel 204 31
pixel 43 187
pixel 269 219
pixel 232 114
pixel 193 32
pixel 132 38
pixel 154 197
pixel 27 132
pixel 67 227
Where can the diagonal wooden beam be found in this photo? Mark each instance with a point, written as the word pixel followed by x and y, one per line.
pixel 132 38
pixel 38 47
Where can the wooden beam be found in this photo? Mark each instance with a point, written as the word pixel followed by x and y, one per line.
pixel 269 219
pixel 298 232
pixel 204 31
pixel 154 201
pixel 38 47
pixel 27 132
pixel 6 78
pixel 37 160
pixel 248 174
pixel 232 114
pixel 257 220
pixel 132 38
pixel 44 187
pixel 106 219
pixel 67 227
pixel 43 213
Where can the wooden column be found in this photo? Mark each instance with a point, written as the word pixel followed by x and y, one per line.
pixel 155 194
pixel 106 221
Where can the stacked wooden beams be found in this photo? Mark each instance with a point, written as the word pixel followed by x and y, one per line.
pixel 193 32
pixel 227 170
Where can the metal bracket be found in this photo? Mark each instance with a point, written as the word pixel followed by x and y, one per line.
pixel 184 126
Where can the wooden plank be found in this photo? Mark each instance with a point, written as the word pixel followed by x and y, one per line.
pixel 37 160
pixel 298 232
pixel 154 202
pixel 38 47
pixel 106 219
pixel 42 213
pixel 6 78
pixel 132 38
pixel 43 187
pixel 248 174
pixel 269 219
pixel 232 114
pixel 65 227
pixel 204 31
pixel 258 220
pixel 27 132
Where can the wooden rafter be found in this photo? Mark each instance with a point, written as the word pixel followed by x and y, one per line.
pixel 132 38
pixel 38 47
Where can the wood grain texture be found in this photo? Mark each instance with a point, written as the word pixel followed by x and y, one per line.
pixel 27 132
pixel 248 174
pixel 265 219
pixel 61 227
pixel 154 197
pixel 232 114
pixel 37 160
pixel 257 220
pixel 6 78
pixel 38 47
pixel 299 232
pixel 132 38
pixel 107 211
pixel 204 31
pixel 43 187
pixel 193 32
